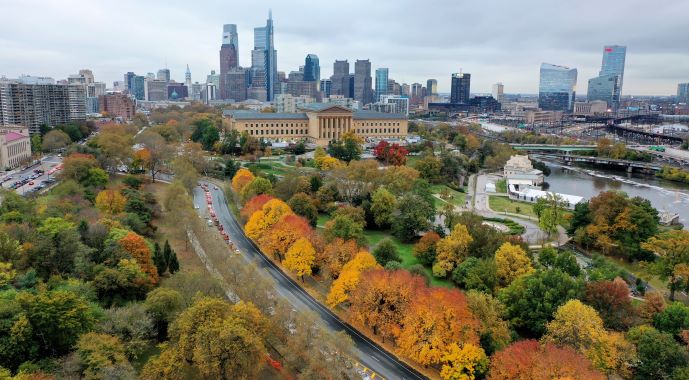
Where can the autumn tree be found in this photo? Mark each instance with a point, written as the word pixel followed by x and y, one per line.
pixel 303 205
pixel 55 139
pixel 612 302
pixel 451 250
pixel 103 356
pixel 254 204
pixel 300 257
pixel 136 246
pixel 155 153
pixel 283 234
pixel 494 331
pixel 381 299
pixel 110 201
pixel 655 303
pixel 391 154
pixel 424 249
pixel 672 249
pixel 465 362
pixel 242 178
pixel 76 166
pixel 349 277
pixel 429 168
pixel 383 205
pixel 337 254
pixel 529 360
pixel 511 262
pixel 261 221
pixel 437 318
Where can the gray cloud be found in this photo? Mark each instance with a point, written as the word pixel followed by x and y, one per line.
pixel 498 40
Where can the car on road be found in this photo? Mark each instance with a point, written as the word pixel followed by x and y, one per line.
pixel 31 183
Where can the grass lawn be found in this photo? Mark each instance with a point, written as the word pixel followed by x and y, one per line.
pixel 275 167
pixel 322 219
pixel 501 186
pixel 640 271
pixel 405 252
pixel 502 204
pixel 455 197
pixel 411 160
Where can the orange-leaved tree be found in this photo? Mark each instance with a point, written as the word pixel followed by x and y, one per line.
pixel 261 221
pixel 464 362
pixel 283 234
pixel 530 360
pixel 337 253
pixel 299 258
pixel 242 178
pixel 254 204
pixel 110 201
pixel 381 299
pixel 136 246
pixel 437 318
pixel 349 277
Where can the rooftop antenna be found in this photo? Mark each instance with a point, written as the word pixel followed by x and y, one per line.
pixel 270 13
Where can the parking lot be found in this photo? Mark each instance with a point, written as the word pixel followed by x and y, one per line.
pixel 34 178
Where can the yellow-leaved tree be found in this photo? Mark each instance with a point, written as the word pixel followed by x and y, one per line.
pixel 463 363
pixel 349 277
pixel 300 257
pixel 110 201
pixel 451 250
pixel 242 178
pixel 511 262
pixel 262 220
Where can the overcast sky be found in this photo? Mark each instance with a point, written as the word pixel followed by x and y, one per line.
pixel 494 40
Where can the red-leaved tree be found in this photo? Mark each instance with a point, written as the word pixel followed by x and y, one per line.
pixel 391 154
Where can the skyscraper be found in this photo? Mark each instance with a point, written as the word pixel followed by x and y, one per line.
pixel 326 85
pixel 312 69
pixel 362 81
pixel 683 93
pixel 128 77
pixel 498 92
pixel 264 46
pixel 229 57
pixel 557 87
pixel 340 79
pixel 460 88
pixel 138 87
pixel 607 86
pixel 164 74
pixel 381 82
pixel 187 78
pixel 432 87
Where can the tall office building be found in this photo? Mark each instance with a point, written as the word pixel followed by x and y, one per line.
pixel 128 78
pixel 683 93
pixel 138 87
pixel 229 57
pixel 432 87
pixel 340 79
pixel 557 87
pixel 156 89
pixel 498 92
pixel 326 85
pixel 33 101
pixel 236 81
pixel 264 59
pixel 164 74
pixel 363 91
pixel 381 82
pixel 187 77
pixel 607 86
pixel 460 88
pixel 312 69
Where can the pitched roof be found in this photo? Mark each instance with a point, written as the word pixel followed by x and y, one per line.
pixel 12 136
pixel 318 107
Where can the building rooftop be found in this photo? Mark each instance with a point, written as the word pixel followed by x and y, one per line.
pixel 253 115
pixel 360 115
pixel 13 136
pixel 312 107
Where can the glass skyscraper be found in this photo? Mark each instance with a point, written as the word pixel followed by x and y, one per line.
pixel 683 93
pixel 608 85
pixel 381 82
pixel 312 68
pixel 460 88
pixel 556 89
pixel 265 47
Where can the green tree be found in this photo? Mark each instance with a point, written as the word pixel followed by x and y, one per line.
pixel 531 300
pixel 304 206
pixel 551 216
pixel 477 274
pixel 163 304
pixel 383 205
pixel 386 252
pixel 258 186
pixel 659 354
pixel 429 167
pixel 170 258
pixel 673 319
pixel 672 249
pixel 159 259
pixel 415 215
pixel 347 148
pixel 103 356
pixel 344 227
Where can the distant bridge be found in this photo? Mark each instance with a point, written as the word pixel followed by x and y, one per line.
pixel 629 166
pixel 553 147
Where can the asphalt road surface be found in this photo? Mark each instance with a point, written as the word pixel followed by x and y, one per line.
pixel 366 352
pixel 47 163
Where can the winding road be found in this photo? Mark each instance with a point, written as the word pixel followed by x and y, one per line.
pixel 366 352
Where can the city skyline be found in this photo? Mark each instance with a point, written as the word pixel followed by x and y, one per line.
pixel 655 60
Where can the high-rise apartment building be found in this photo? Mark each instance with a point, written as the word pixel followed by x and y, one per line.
pixel 156 90
pixel 264 59
pixel 137 86
pixel 381 82
pixel 498 92
pixel 312 69
pixel 683 93
pixel 460 88
pixel 33 101
pixel 432 87
pixel 229 57
pixel 607 86
pixel 164 74
pixel 117 104
pixel 340 79
pixel 557 87
pixel 400 103
pixel 363 91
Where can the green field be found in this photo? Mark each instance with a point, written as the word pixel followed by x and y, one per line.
pixel 455 197
pixel 502 204
pixel 275 167
pixel 405 251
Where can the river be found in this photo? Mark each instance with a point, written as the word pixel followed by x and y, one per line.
pixel 587 183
